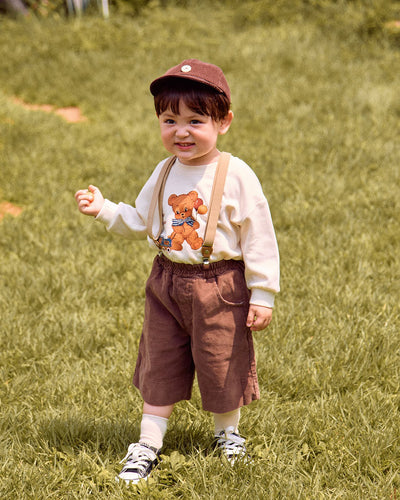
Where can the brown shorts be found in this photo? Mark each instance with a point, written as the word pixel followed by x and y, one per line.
pixel 195 320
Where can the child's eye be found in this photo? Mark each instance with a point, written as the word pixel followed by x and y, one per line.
pixel 195 122
pixel 169 121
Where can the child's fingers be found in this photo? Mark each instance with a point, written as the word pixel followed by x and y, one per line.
pixel 251 317
pixel 84 203
pixel 85 195
pixel 256 325
pixel 80 193
pixel 90 201
pixel 259 324
pixel 258 317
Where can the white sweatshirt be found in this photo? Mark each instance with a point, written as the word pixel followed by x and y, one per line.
pixel 244 232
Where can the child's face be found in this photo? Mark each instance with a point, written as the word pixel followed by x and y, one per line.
pixel 190 136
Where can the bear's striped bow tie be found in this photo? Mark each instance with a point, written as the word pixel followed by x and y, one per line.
pixel 180 222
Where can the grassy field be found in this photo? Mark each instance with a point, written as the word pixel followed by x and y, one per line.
pixel 317 116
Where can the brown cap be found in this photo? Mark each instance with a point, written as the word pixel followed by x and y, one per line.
pixel 193 69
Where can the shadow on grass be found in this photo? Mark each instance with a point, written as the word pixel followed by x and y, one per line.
pixel 90 434
pixel 78 433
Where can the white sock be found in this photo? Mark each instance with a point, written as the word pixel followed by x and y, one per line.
pixel 224 420
pixel 152 430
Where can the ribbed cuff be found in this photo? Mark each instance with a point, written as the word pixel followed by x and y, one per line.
pixel 262 298
pixel 107 212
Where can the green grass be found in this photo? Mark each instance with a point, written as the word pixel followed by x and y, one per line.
pixel 317 117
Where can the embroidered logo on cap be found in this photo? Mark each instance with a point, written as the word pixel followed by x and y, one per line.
pixel 186 68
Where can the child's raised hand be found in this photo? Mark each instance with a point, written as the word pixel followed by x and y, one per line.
pixel 259 317
pixel 90 201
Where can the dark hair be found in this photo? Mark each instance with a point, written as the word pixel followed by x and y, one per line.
pixel 198 97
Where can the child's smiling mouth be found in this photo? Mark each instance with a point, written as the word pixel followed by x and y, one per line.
pixel 184 145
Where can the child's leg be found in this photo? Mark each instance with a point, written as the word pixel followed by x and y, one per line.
pixel 227 438
pixel 143 456
pixel 159 411
pixel 154 424
pixel 227 420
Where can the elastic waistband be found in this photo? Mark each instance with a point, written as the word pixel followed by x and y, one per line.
pixel 214 268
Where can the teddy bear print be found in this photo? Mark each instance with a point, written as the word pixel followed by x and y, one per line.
pixel 184 225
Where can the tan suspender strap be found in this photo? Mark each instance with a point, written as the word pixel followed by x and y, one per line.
pixel 158 198
pixel 215 206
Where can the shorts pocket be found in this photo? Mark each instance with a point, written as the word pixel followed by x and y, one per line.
pixel 231 288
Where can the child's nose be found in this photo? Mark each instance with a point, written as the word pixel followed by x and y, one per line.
pixel 182 132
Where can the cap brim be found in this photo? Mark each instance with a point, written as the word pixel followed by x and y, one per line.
pixel 160 83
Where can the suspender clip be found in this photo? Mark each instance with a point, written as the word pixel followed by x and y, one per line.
pixel 206 252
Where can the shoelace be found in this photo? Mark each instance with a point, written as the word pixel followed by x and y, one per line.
pixel 139 457
pixel 231 443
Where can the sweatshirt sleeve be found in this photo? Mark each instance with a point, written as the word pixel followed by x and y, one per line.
pixel 123 220
pixel 259 247
pixel 127 220
pixel 261 255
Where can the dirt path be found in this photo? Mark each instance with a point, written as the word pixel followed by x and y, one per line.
pixel 71 114
pixel 8 208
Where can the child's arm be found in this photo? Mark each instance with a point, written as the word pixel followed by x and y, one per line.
pixel 129 221
pixel 259 317
pixel 90 201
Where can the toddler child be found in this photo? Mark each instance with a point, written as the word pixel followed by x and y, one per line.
pixel 200 311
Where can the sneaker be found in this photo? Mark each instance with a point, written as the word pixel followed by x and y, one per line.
pixel 140 460
pixel 231 445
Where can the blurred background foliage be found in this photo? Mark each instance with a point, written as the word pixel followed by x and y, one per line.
pixel 360 18
pixel 364 17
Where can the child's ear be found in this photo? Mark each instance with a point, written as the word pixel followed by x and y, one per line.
pixel 225 123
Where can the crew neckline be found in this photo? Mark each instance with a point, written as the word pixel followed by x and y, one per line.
pixel 195 166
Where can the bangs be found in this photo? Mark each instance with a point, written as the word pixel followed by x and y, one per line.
pixel 201 99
